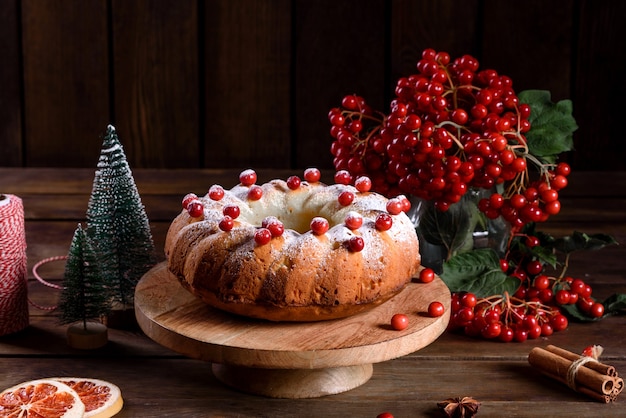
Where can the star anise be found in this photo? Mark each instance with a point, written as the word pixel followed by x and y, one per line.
pixel 465 407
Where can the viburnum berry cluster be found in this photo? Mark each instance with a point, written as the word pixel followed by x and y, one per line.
pixel 450 127
pixel 454 129
pixel 504 317
pixel 533 311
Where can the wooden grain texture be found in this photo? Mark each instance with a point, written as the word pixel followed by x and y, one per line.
pixel 597 106
pixel 530 42
pixel 158 382
pixel 156 81
pixel 246 60
pixel 11 135
pixel 66 81
pixel 234 84
pixel 339 49
pixel 448 26
pixel 170 315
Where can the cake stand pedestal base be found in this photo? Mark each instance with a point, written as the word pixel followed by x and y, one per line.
pixel 293 383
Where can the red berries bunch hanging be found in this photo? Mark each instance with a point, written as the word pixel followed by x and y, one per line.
pixel 453 128
pixel 450 127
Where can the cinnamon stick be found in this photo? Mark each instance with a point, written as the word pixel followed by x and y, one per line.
pixel 556 365
pixel 595 365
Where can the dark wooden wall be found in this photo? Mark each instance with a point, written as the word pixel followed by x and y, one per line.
pixel 238 83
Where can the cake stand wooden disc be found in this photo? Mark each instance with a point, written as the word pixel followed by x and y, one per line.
pixel 284 359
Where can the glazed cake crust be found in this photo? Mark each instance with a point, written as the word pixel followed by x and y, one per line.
pixel 299 275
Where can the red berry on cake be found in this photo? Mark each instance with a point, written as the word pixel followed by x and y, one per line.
pixel 345 198
pixel 343 177
pixel 293 182
pixel 195 209
pixel 216 192
pixel 363 184
pixel 319 225
pixel 189 197
pixel 231 210
pixel 312 175
pixel 247 177
pixel 262 236
pixel 274 225
pixel 255 192
pixel 353 220
pixel 394 206
pixel 356 244
pixel 227 223
pixel 406 203
pixel 383 222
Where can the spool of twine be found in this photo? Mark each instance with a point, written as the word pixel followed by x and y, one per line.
pixel 13 266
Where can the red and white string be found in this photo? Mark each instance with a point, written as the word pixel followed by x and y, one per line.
pixel 13 266
pixel 44 282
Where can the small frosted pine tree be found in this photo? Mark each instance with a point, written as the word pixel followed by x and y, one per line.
pixel 84 295
pixel 117 223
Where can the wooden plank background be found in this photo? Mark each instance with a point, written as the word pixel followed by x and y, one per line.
pixel 235 83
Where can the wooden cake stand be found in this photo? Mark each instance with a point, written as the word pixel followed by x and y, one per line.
pixel 283 359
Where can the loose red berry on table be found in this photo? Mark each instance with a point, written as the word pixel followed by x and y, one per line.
pixel 399 322
pixel 384 415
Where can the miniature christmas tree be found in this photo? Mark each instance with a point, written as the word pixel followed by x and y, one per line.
pixel 84 295
pixel 117 223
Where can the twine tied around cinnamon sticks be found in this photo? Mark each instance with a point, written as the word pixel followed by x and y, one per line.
pixel 584 374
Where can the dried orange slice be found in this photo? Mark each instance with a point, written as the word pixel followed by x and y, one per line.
pixel 41 398
pixel 102 399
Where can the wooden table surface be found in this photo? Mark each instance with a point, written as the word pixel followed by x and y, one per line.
pixel 157 382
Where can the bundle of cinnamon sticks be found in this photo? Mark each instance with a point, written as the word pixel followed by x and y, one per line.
pixel 583 374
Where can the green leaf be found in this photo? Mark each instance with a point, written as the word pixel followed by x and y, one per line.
pixel 452 229
pixel 552 125
pixel 581 241
pixel 574 312
pixel 479 272
pixel 615 304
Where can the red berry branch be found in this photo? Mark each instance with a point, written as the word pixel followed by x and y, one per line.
pixel 453 128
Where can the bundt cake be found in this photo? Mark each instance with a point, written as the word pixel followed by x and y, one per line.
pixel 294 250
